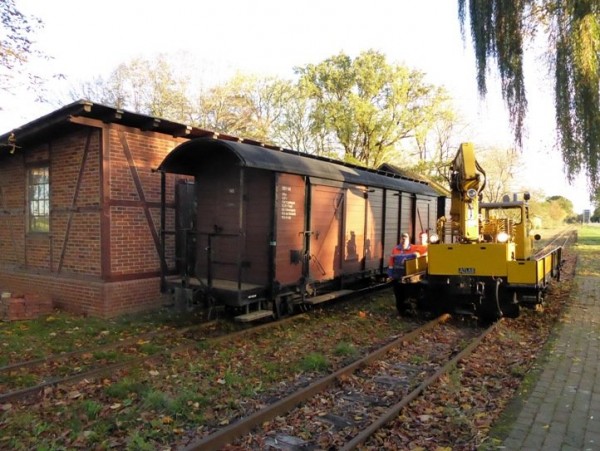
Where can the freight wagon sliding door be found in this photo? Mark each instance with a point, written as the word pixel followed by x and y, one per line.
pixel 257 226
pixel 185 225
pixel 218 195
pixel 424 210
pixel 289 228
pixel 374 229
pixel 354 229
pixel 392 221
pixel 327 205
pixel 407 209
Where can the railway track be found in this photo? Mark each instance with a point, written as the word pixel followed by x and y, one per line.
pixel 204 369
pixel 23 379
pixel 63 369
pixel 345 408
pixel 562 238
pixel 20 380
pixel 29 378
pixel 329 424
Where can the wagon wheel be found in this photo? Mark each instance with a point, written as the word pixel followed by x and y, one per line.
pixel 509 304
pixel 488 309
pixel 400 295
pixel 434 301
pixel 211 303
pixel 539 300
pixel 283 306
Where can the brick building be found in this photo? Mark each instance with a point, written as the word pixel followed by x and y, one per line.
pixel 80 216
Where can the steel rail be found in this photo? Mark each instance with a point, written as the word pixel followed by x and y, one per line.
pixel 95 372
pixel 226 435
pixel 551 247
pixel 39 388
pixel 116 344
pixel 393 411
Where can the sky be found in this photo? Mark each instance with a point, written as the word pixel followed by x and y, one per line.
pixel 88 38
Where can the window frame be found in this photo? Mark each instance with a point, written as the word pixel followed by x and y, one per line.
pixel 38 196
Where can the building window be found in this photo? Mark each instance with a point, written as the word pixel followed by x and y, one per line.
pixel 39 199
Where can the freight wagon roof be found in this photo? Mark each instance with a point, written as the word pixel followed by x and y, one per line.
pixel 186 157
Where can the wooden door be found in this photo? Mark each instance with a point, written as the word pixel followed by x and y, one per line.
pixel 326 209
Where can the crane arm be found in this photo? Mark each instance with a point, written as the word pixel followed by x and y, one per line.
pixel 466 183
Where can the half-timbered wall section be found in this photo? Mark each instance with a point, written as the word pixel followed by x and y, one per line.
pixel 88 234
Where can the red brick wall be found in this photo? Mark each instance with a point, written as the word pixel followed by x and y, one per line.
pixel 88 263
pixel 78 295
pixel 132 296
pixel 89 297
pixel 75 203
pixel 12 208
pixel 135 199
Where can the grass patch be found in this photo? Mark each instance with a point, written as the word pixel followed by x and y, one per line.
pixel 416 359
pixel 232 379
pixel 137 442
pixel 587 248
pixel 108 356
pixel 314 362
pixel 91 409
pixel 157 401
pixel 150 348
pixel 122 389
pixel 271 371
pixel 65 332
pixel 19 380
pixel 345 349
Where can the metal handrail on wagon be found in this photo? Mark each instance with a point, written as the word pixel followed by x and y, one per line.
pixel 210 261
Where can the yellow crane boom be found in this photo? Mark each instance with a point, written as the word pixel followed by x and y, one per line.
pixel 467 180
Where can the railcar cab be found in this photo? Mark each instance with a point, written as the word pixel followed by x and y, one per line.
pixel 508 222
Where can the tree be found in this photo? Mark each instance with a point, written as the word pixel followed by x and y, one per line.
pixel 16 45
pixel 500 28
pixel 294 128
pixel 560 209
pixel 500 166
pixel 245 105
pixel 435 147
pixel 381 105
pixel 368 105
pixel 248 106
pixel 551 211
pixel 595 214
pixel 144 86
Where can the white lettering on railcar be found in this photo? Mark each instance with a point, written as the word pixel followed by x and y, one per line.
pixel 287 207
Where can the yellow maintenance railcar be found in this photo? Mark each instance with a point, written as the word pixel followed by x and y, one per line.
pixel 480 260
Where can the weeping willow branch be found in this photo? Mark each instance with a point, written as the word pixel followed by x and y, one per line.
pixel 498 29
pixel 497 32
pixel 576 88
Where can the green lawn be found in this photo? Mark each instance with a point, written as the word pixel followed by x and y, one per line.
pixel 588 250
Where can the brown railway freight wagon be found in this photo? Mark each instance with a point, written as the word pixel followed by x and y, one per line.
pixel 263 230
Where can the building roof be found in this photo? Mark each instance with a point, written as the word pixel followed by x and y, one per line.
pixel 60 120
